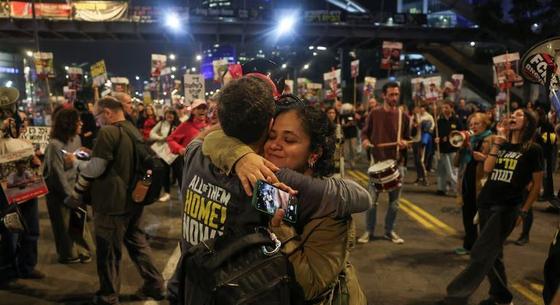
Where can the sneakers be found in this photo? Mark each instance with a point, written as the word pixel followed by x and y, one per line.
pixel 35 275
pixel 165 197
pixel 364 238
pixel 85 259
pixel 461 251
pixel 67 261
pixel 392 236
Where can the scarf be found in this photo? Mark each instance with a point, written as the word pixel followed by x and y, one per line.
pixel 474 140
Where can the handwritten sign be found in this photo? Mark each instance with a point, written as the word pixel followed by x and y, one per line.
pixel 38 136
pixel 194 87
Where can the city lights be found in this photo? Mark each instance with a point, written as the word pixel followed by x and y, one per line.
pixel 286 25
pixel 173 22
pixel 284 66
pixel 172 56
pixel 198 57
pixel 306 66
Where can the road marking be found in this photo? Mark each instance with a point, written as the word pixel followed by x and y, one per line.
pixel 167 272
pixel 413 211
pixel 537 287
pixel 426 224
pixel 528 294
pixel 440 224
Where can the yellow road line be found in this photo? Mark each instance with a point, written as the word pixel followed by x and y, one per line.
pixel 449 230
pixel 426 224
pixel 537 287
pixel 528 294
pixel 413 211
pixel 363 175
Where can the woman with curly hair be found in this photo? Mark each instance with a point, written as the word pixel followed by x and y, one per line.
pixel 302 139
pixel 514 164
pixel 60 179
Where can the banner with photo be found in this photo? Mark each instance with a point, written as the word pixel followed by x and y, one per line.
pixel 4 8
pixel 314 91
pixel 159 62
pixel 391 55
pixel 418 89
pixel 19 180
pixel 39 136
pixel 99 10
pixel 99 73
pixel 219 67
pixel 452 89
pixel 288 86
pixel 355 68
pixel 75 76
pixel 506 71
pixel 369 87
pixel 43 64
pixel 21 9
pixel 69 94
pixel 302 86
pixel 432 87
pixel 119 84
pixel 332 81
pixel 194 87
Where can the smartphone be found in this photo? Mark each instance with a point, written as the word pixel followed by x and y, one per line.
pixel 267 198
pixel 80 154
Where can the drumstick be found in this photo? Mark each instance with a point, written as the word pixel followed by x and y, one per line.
pixel 438 155
pixel 399 132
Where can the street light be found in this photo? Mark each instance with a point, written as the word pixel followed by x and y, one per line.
pixel 284 66
pixel 306 66
pixel 137 77
pixel 286 25
pixel 473 43
pixel 172 56
pixel 173 69
pixel 173 22
pixel 321 48
pixel 29 53
pixel 198 57
pixel 193 69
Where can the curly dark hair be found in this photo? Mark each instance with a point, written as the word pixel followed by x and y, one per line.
pixel 529 128
pixel 245 108
pixel 65 124
pixel 321 132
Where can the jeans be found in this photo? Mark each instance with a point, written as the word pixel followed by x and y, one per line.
pixel 486 258
pixel 110 233
pixel 446 173
pixel 391 215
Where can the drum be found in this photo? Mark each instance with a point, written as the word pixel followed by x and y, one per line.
pixel 385 176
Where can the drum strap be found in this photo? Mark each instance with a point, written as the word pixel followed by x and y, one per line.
pixel 399 127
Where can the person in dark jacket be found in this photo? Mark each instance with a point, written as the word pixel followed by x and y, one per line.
pixel 446 173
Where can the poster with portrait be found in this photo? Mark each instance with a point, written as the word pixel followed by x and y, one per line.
pixel 75 76
pixel 457 81
pixel 119 84
pixel 288 86
pixel 391 55
pixel 194 87
pixel 43 64
pixel 99 73
pixel 18 178
pixel 219 67
pixel 159 62
pixel 417 88
pixel 313 93
pixel 369 87
pixel 302 86
pixel 432 85
pixel 69 94
pixel 506 71
pixel 332 81
pixel 355 68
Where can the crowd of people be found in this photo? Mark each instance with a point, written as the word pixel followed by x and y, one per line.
pixel 495 167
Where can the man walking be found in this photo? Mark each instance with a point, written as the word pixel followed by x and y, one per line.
pixel 116 218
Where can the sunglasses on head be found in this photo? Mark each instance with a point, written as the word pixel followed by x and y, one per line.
pixel 288 101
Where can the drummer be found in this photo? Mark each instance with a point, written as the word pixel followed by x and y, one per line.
pixel 381 136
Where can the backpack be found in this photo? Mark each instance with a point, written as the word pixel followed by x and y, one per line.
pixel 145 159
pixel 244 271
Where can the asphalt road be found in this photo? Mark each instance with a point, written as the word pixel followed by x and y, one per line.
pixel 413 273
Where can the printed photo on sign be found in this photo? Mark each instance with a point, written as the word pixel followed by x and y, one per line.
pixel 120 84
pixel 314 91
pixel 159 62
pixel 75 75
pixel 288 86
pixel 369 87
pixel 418 89
pixel 506 71
pixel 432 88
pixel 391 55
pixel 302 86
pixel 354 68
pixel 219 67
pixel 43 64
pixel 99 73
pixel 332 85
pixel 20 181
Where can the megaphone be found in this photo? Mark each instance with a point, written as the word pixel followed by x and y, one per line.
pixel 458 138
